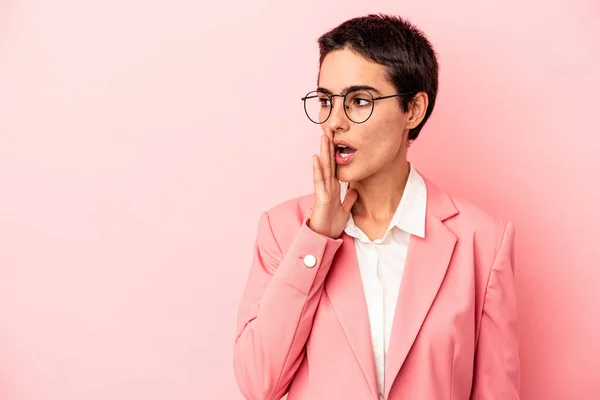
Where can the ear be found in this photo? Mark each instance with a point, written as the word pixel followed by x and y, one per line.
pixel 417 109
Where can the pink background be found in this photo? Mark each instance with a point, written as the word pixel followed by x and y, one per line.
pixel 140 140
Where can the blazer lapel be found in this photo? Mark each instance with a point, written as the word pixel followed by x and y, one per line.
pixel 426 264
pixel 346 294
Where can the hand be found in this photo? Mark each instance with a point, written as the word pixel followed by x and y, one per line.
pixel 329 215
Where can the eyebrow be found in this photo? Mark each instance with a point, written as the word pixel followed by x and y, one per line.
pixel 348 89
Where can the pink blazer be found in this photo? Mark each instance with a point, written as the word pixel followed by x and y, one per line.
pixel 303 327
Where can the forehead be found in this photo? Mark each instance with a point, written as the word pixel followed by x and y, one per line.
pixel 344 68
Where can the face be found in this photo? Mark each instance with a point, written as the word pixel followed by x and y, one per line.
pixel 379 144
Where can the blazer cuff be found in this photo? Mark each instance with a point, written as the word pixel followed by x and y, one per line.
pixel 308 259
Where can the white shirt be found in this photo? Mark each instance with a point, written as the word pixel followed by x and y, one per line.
pixel 381 264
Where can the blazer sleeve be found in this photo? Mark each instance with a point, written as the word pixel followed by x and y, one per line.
pixel 497 368
pixel 277 309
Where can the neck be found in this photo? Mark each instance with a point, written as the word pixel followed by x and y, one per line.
pixel 380 194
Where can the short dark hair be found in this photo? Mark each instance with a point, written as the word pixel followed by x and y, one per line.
pixel 396 44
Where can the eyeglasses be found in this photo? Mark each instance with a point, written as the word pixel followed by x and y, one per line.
pixel 358 105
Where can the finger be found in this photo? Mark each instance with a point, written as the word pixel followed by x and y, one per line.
pixel 325 160
pixel 349 200
pixel 318 175
pixel 332 157
pixel 331 154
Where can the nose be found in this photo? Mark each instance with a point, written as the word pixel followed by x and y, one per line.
pixel 338 119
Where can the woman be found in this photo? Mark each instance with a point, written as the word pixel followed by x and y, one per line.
pixel 384 287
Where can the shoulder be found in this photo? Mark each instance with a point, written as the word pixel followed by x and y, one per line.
pixel 489 231
pixel 478 217
pixel 482 237
pixel 469 220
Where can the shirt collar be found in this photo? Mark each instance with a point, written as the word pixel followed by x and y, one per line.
pixel 410 214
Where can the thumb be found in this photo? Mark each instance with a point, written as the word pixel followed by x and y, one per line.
pixel 349 200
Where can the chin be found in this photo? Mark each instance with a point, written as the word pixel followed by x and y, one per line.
pixel 346 173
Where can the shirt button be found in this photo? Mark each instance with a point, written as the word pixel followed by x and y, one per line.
pixel 310 261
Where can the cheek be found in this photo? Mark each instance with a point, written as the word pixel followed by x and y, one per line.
pixel 385 139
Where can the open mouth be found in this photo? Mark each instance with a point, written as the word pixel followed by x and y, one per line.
pixel 344 154
pixel 344 151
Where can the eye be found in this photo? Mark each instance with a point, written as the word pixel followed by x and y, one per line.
pixel 361 102
pixel 324 101
pixel 359 99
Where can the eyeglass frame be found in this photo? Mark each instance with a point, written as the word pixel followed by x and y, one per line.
pixel 349 90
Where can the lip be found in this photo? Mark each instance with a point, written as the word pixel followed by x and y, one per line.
pixel 338 158
pixel 337 142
